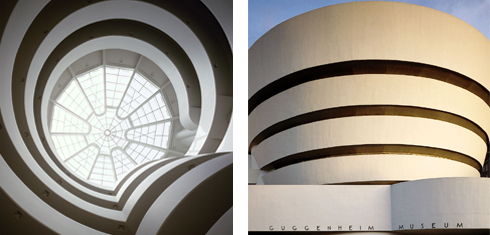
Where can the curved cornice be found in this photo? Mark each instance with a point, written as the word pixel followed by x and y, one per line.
pixel 366 110
pixel 368 67
pixel 370 149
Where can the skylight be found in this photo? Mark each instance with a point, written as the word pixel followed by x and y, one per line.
pixel 107 121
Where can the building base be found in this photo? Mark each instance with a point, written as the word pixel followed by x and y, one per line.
pixel 440 205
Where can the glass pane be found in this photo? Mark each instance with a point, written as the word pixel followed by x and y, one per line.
pixel 106 122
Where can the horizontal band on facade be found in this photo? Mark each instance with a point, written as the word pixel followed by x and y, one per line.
pixel 369 149
pixel 366 168
pixel 366 110
pixel 368 67
pixel 369 183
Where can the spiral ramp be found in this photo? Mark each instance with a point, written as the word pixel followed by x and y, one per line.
pixel 187 44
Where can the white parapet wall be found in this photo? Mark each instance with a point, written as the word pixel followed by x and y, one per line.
pixel 445 203
pixel 319 208
pixel 416 206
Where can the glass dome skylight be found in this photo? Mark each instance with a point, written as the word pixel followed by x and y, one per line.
pixel 107 121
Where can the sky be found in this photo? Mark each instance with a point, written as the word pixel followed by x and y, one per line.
pixel 263 15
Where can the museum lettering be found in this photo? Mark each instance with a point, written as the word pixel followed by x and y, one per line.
pixel 320 228
pixel 430 226
pixel 360 228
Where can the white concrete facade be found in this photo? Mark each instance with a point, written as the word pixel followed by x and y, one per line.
pixel 413 206
pixel 369 116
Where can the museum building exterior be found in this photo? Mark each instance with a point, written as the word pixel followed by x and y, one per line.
pixel 369 116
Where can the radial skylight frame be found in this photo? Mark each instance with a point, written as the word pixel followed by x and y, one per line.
pixel 108 120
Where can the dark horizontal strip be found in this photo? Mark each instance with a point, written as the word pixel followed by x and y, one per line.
pixel 368 67
pixel 374 182
pixel 369 149
pixel 365 110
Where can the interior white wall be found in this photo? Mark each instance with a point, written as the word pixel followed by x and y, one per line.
pixel 22 16
pixel 35 207
pixel 171 197
pixel 223 11
pixel 224 225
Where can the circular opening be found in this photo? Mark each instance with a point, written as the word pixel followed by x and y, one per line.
pixel 106 119
pixel 107 132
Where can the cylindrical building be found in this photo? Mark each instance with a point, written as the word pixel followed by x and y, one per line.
pixel 392 92
pixel 367 93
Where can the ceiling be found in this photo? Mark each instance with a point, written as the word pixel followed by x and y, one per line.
pixel 44 43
